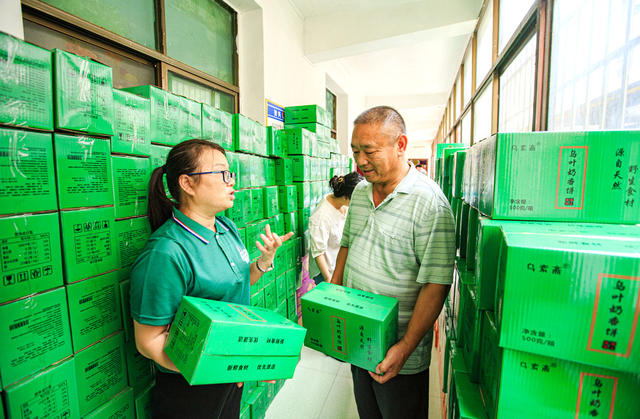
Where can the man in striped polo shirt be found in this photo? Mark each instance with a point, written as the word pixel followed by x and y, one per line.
pixel 399 241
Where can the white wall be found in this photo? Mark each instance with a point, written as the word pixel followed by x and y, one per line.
pixel 290 78
pixel 11 18
pixel 272 65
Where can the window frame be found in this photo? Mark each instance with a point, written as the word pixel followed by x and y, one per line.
pixel 58 20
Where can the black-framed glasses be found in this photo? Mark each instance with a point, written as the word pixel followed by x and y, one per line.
pixel 227 176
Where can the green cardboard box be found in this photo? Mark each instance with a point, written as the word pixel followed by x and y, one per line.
pixel 83 171
pixel 217 342
pixel 159 155
pixel 270 295
pixel 140 370
pixel 469 328
pixel 258 175
pixel 94 309
pixel 127 320
pixel 467 400
pixel 291 222
pixel 88 243
pixel 51 393
pixel 26 92
pixel 291 303
pixel 301 168
pixel 270 201
pixel 304 194
pixel 30 255
pixel 100 372
pixel 257 299
pixel 26 171
pixel 462 230
pixel 132 124
pixel 130 185
pixel 351 325
pixel 534 386
pixel 237 211
pixel 248 135
pixel 288 198
pixel 490 363
pixel 590 286
pixel 257 402
pixel 120 406
pixel 299 141
pixel 579 176
pixel 257 203
pixel 83 94
pixel 191 118
pixel 132 235
pixel 306 114
pixel 269 172
pixel 489 239
pixel 281 290
pixel 282 309
pixel 217 126
pixel 34 333
pixel 318 129
pixel 245 170
pixel 472 237
pixel 166 122
pixel 303 220
pixel 276 142
pixel 143 404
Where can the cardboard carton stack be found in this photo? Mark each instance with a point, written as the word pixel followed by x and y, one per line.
pixel 76 156
pixel 542 316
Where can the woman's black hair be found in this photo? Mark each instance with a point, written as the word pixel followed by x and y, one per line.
pixel 345 184
pixel 182 159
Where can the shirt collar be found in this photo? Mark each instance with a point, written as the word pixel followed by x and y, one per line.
pixel 196 229
pixel 405 186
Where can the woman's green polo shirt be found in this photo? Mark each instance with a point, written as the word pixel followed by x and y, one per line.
pixel 182 258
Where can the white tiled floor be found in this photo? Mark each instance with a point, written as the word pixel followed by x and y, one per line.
pixel 322 389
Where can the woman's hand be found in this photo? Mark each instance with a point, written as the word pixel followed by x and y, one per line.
pixel 271 243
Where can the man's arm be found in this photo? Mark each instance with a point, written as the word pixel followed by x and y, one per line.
pixel 341 260
pixel 426 311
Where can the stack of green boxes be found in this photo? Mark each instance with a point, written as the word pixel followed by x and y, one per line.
pixel 74 154
pixel 546 296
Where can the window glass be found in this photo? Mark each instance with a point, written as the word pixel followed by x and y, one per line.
pixel 200 93
pixel 594 79
pixel 331 107
pixel 200 33
pixel 126 72
pixel 135 20
pixel 511 15
pixel 517 89
pixel 484 45
pixel 482 115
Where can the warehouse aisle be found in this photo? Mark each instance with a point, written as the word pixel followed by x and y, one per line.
pixel 321 389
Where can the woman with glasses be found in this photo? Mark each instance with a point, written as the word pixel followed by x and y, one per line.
pixel 193 251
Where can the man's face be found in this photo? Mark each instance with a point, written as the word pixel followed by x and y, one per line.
pixel 376 152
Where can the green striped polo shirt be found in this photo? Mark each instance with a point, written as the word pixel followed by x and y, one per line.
pixel 407 241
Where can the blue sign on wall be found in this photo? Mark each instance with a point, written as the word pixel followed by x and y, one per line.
pixel 275 112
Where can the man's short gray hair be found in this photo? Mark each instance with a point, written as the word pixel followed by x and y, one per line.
pixel 383 115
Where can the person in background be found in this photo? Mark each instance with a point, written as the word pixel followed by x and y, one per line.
pixel 192 251
pixel 420 168
pixel 325 226
pixel 398 241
